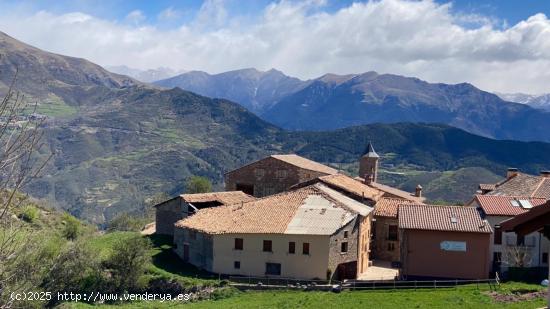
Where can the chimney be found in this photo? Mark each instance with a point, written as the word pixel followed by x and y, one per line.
pixel 545 174
pixel 418 191
pixel 511 172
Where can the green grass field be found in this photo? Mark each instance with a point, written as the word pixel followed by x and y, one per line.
pixel 461 297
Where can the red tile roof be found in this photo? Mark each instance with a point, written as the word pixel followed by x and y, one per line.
pixel 524 185
pixel 442 218
pixel 388 207
pixel 499 205
pixel 304 163
pixel 225 198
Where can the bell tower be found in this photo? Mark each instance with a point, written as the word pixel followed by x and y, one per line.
pixel 368 165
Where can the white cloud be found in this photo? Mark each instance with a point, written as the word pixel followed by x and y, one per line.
pixel 169 14
pixel 422 39
pixel 135 17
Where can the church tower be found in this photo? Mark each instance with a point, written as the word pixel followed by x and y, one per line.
pixel 368 165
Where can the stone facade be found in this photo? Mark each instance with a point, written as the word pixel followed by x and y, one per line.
pixel 349 236
pixel 386 248
pixel 267 176
pixel 168 213
pixel 195 248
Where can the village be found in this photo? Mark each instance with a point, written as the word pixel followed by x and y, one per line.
pixel 286 216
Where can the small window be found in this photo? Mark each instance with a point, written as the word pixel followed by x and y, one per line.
pixel 291 247
pixel 392 232
pixel 237 264
pixel 391 246
pixel 238 243
pixel 273 269
pixel 344 247
pixel 545 257
pixel 267 246
pixel 345 234
pixel 498 236
pixel 305 248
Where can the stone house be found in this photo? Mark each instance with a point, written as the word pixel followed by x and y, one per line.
pixel 169 212
pixel 274 174
pixel 313 232
pixel 450 242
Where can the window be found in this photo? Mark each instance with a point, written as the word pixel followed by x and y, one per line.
pixel 291 247
pixel 238 243
pixel 545 257
pixel 237 265
pixel 267 246
pixel 391 246
pixel 305 248
pixel 273 269
pixel 345 234
pixel 344 247
pixel 498 236
pixel 497 257
pixel 392 232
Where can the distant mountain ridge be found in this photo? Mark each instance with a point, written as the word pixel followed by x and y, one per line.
pixel 117 142
pixel 337 101
pixel 536 101
pixel 255 90
pixel 146 76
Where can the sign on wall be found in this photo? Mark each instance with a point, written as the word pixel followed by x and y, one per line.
pixel 453 245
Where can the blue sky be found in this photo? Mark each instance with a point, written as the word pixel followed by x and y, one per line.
pixel 511 11
pixel 497 45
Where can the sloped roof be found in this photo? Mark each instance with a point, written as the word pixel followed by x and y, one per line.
pixel 532 217
pixel 304 163
pixel 397 192
pixel 313 210
pixel 487 186
pixel 346 184
pixel 225 197
pixel 500 205
pixel 388 207
pixel 524 185
pixel 442 218
pixel 370 152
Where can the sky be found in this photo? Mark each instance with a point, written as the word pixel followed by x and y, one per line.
pixel 497 45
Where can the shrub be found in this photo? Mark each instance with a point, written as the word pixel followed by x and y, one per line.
pixel 198 184
pixel 128 262
pixel 126 222
pixel 30 214
pixel 72 228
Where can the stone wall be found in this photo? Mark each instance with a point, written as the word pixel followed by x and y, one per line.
pixel 336 256
pixel 268 176
pixel 168 213
pixel 199 246
pixel 383 248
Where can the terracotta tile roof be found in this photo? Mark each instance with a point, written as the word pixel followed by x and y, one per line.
pixel 225 198
pixel 524 185
pixel 528 217
pixel 487 186
pixel 305 163
pixel 315 210
pixel 442 218
pixel 394 192
pixel 346 184
pixel 499 205
pixel 388 207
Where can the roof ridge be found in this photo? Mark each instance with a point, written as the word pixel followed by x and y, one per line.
pixel 538 186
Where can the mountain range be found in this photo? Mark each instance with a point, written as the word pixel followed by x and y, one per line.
pixel 337 101
pixel 117 141
pixel 146 76
pixel 541 101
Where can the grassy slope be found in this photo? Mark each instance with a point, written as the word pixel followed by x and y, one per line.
pixel 462 297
